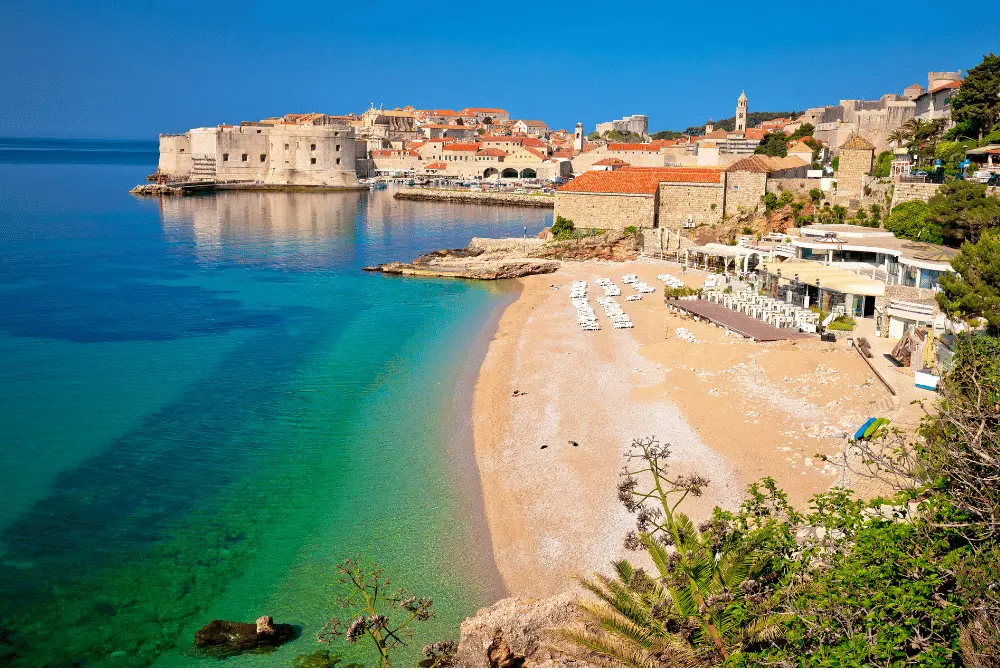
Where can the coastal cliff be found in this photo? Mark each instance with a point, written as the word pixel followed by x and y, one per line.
pixel 477 197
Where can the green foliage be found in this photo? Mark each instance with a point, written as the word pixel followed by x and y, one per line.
pixel 835 163
pixel 974 292
pixel 594 136
pixel 562 228
pixel 773 144
pixel 977 102
pixel 805 130
pixel 321 658
pixel 667 135
pixel 631 231
pixel 815 195
pixel 842 323
pixel 963 210
pixel 909 221
pixel 753 118
pixel 681 292
pixel 965 128
pixel 370 610
pixel 883 164
pixel 623 136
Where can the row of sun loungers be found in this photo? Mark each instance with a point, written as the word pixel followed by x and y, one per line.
pixel 585 314
pixel 639 286
pixel 619 319
pixel 775 312
pixel 671 281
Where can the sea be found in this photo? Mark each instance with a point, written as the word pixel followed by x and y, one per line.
pixel 206 406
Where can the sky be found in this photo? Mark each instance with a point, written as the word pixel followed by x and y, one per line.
pixel 130 70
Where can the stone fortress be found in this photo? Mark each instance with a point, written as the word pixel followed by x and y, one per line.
pixel 876 119
pixel 297 150
pixel 637 124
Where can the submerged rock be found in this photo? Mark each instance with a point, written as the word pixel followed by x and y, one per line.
pixel 233 637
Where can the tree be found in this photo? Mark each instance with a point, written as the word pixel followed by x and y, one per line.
pixel 909 221
pixel 365 596
pixel 963 210
pixel 702 608
pixel 815 195
pixel 773 144
pixel 899 137
pixel 883 164
pixel 562 228
pixel 978 99
pixel 974 292
pixel 594 136
pixel 805 130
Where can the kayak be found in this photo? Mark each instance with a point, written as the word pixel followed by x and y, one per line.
pixel 861 431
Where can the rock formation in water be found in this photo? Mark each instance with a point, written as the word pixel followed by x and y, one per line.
pixel 514 257
pixel 232 637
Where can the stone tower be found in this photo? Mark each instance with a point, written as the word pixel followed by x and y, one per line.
pixel 578 138
pixel 741 114
pixel 709 127
pixel 857 157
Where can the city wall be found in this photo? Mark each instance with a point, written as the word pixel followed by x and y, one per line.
pixel 606 211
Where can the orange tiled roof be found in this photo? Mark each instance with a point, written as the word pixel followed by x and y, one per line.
pixel 462 147
pixel 436 166
pixel 491 152
pixel 950 84
pixel 719 134
pixel 491 110
pixel 754 134
pixel 640 181
pixel 855 141
pixel 629 146
pixel 611 161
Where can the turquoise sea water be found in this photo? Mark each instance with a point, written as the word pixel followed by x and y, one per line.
pixel 205 404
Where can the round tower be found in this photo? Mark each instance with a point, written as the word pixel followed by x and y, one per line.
pixel 741 113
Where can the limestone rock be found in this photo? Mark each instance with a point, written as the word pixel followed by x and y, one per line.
pixel 516 632
pixel 225 638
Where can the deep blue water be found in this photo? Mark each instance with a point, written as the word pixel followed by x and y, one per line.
pixel 205 404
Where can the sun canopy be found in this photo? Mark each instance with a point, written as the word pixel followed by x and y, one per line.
pixel 834 278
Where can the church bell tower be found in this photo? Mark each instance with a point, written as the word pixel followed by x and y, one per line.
pixel 741 113
pixel 578 138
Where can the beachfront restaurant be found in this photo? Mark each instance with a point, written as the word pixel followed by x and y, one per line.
pixel 876 253
pixel 725 258
pixel 832 289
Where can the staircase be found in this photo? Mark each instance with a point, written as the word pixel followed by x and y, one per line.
pixel 203 168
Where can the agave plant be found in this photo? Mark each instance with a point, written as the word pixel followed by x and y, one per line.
pixel 704 605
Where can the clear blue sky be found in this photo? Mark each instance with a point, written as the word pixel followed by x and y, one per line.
pixel 131 70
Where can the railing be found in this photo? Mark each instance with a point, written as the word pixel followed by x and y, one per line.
pixel 912 307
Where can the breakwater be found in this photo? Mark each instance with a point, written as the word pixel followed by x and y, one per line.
pixel 476 197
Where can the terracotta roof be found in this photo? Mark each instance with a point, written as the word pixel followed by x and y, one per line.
pixel 950 84
pixel 640 181
pixel 536 152
pixel 491 152
pixel 629 146
pixel 492 110
pixel 611 161
pixel 504 138
pixel 461 147
pixel 855 141
pixel 754 134
pixel 719 134
pixel 765 164
pixel 534 142
pixel 800 147
pixel 436 166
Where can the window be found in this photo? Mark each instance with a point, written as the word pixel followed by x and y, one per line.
pixel 312 147
pixel 286 147
pixel 258 132
pixel 338 148
pixel 312 161
pixel 336 134
pixel 338 161
pixel 225 157
pixel 244 158
pixel 263 157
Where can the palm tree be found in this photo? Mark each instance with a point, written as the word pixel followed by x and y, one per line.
pixel 703 607
pixel 898 137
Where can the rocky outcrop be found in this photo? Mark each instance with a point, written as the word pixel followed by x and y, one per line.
pixel 473 262
pixel 517 633
pixel 610 246
pixel 477 197
pixel 225 638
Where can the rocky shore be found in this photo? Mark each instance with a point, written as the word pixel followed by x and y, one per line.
pixel 477 197
pixel 513 257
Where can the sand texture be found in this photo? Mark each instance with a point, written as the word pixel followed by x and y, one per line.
pixel 732 410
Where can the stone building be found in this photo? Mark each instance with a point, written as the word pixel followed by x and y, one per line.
pixel 637 124
pixel 298 150
pixel 857 159
pixel 670 197
pixel 487 115
pixel 741 113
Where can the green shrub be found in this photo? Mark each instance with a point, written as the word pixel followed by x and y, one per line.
pixel 631 231
pixel 562 228
pixel 842 323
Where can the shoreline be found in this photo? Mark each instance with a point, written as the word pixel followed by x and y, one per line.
pixel 476 197
pixel 731 409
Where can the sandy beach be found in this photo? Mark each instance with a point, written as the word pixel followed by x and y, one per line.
pixel 732 410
